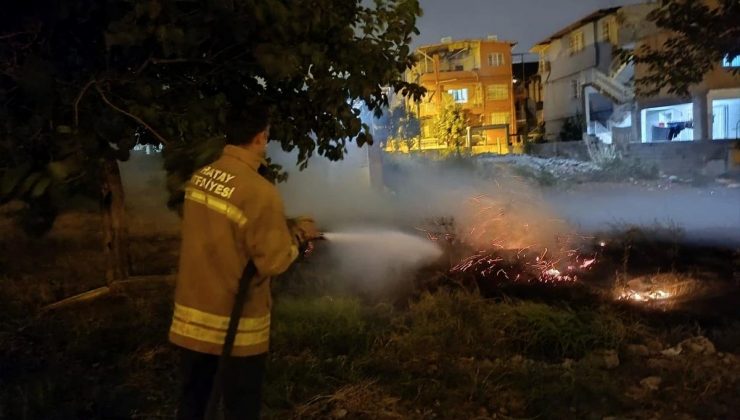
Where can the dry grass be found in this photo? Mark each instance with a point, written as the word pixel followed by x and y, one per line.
pixel 446 355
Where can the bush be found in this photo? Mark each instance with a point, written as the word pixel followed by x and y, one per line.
pixel 573 128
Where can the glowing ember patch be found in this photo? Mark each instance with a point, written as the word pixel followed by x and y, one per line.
pixel 588 263
pixel 509 248
pixel 645 296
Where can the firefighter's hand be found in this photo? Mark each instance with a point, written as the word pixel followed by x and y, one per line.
pixel 304 229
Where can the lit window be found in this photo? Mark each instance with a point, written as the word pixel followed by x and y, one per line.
pixel 575 42
pixel 496 59
pixel 735 62
pixel 497 92
pixel 500 118
pixel 459 95
pixel 575 86
pixel 609 30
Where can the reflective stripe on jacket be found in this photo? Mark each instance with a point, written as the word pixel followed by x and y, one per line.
pixel 231 215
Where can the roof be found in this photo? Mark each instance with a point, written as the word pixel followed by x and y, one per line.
pixel 570 28
pixel 445 45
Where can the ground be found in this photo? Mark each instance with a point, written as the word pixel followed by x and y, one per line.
pixel 443 350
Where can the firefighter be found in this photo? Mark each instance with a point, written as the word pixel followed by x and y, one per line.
pixel 231 215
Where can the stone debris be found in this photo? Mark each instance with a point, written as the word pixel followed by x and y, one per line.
pixel 638 350
pixel 698 345
pixel 603 359
pixel 556 166
pixel 339 413
pixel 673 351
pixel 651 383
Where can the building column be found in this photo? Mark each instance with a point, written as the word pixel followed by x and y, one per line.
pixel 701 117
pixel 586 92
pixel 637 124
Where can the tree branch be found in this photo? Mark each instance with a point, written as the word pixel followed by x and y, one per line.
pixel 78 99
pixel 14 34
pixel 132 116
pixel 159 61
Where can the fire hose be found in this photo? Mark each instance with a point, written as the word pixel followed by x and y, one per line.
pixel 241 297
pixel 250 271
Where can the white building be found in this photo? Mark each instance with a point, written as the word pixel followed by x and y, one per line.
pixel 583 77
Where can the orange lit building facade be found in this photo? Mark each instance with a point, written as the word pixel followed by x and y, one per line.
pixel 475 74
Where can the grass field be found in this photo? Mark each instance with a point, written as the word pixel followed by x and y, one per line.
pixel 338 355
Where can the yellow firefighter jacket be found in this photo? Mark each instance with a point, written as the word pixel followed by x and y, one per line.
pixel 231 215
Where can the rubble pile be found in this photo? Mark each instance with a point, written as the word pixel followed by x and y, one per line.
pixel 560 168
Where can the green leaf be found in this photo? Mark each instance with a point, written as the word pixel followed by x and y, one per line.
pixel 12 178
pixel 29 182
pixel 41 186
pixel 59 170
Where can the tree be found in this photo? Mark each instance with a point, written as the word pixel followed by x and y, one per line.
pixel 82 81
pixel 701 34
pixel 450 124
pixel 403 126
pixel 410 130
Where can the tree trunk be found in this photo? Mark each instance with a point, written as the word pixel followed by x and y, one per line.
pixel 115 233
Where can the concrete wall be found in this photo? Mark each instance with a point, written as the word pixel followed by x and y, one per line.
pixel 564 64
pixel 707 157
pixel 559 101
pixel 710 158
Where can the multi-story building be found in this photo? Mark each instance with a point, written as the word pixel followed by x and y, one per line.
pixel 710 112
pixel 477 75
pixel 583 78
pixel 528 97
pixel 586 82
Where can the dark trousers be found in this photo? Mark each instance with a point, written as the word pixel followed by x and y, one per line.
pixel 242 385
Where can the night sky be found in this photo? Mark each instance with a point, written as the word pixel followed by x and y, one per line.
pixel 524 21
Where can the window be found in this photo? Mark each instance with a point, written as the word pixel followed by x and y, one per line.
pixel 726 118
pixel 735 62
pixel 497 92
pixel 575 42
pixel 496 59
pixel 575 87
pixel 668 123
pixel 609 30
pixel 460 96
pixel 499 118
